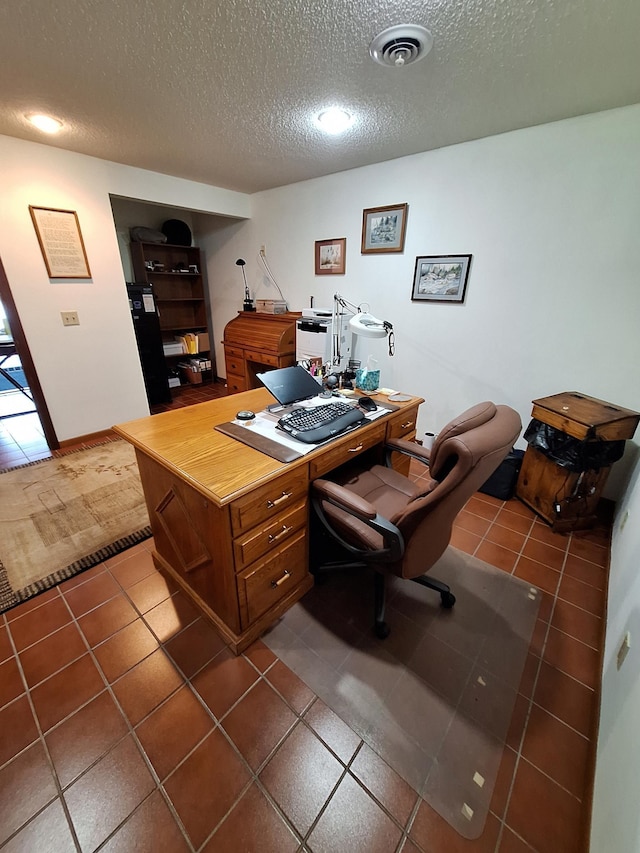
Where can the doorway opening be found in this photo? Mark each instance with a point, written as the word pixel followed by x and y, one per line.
pixel 26 431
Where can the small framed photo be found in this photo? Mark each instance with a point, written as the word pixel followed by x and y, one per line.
pixel 383 229
pixel 331 256
pixel 440 278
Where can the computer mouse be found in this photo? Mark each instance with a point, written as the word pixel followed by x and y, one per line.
pixel 367 404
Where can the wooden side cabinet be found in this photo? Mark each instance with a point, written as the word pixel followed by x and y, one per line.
pixel 568 499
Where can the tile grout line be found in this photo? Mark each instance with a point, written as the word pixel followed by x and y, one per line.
pixel 131 732
pixel 45 747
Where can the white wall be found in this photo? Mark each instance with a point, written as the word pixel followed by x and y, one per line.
pixel 616 818
pixel 90 374
pixel 550 216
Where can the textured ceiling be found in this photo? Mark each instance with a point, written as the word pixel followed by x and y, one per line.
pixel 224 92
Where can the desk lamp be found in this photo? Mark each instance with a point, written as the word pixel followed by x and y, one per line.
pixel 248 301
pixel 362 323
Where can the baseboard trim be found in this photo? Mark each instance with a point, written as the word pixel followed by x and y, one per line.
pixel 92 436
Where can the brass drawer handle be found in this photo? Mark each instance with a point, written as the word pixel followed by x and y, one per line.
pixel 273 537
pixel 356 449
pixel 285 576
pixel 406 425
pixel 283 497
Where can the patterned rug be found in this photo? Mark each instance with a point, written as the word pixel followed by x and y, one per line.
pixel 434 699
pixel 61 516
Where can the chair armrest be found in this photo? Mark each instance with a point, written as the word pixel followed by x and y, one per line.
pixel 344 499
pixel 407 448
pixel 361 509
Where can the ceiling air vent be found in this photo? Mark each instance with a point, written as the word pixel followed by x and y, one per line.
pixel 398 46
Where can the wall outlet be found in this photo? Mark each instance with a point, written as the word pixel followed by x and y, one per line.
pixel 624 520
pixel 263 249
pixel 623 651
pixel 70 318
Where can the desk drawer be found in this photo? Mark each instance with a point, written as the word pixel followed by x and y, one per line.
pixel 261 357
pixel 261 540
pixel 234 364
pixel 261 587
pixel 355 444
pixel 269 501
pixel 403 423
pixel 233 352
pixel 235 383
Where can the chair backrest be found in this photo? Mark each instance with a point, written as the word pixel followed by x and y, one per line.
pixel 465 454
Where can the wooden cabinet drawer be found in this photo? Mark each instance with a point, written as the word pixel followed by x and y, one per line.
pixel 269 501
pixel 233 352
pixel 234 365
pixel 261 587
pixel 261 357
pixel 265 538
pixel 235 384
pixel 350 447
pixel 403 423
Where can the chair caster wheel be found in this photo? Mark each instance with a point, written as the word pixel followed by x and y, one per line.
pixel 448 600
pixel 381 630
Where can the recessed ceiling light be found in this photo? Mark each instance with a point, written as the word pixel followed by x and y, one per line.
pixel 334 120
pixel 48 124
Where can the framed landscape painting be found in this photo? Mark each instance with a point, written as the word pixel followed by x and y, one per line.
pixel 440 278
pixel 383 229
pixel 331 256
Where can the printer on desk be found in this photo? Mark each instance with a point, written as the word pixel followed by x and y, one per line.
pixel 316 337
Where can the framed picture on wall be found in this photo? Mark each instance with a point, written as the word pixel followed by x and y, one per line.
pixel 61 243
pixel 440 278
pixel 331 256
pixel 383 229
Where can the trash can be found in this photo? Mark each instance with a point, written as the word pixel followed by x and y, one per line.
pixel 502 483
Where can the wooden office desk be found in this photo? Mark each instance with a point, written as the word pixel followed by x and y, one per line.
pixel 230 523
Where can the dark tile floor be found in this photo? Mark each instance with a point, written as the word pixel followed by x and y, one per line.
pixel 126 724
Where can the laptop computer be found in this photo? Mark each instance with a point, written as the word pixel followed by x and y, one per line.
pixel 290 384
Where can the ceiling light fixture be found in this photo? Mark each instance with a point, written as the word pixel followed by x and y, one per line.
pixel 48 124
pixel 334 120
pixel 398 46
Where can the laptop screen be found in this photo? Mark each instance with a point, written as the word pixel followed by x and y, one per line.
pixel 290 384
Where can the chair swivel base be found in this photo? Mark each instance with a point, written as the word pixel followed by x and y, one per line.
pixel 380 627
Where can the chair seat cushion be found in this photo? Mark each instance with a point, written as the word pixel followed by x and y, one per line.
pixel 386 489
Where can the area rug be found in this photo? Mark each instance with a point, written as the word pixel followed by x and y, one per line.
pixel 435 698
pixel 61 516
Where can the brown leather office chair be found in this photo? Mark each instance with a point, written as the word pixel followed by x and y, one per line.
pixel 381 518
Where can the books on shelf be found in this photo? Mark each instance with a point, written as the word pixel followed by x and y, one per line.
pixel 194 368
pixel 192 343
pixel 196 365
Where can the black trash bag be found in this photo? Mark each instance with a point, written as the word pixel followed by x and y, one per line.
pixel 502 483
pixel 572 453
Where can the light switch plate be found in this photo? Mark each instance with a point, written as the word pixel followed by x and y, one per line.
pixel 70 318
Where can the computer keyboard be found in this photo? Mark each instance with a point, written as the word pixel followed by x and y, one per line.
pixel 319 423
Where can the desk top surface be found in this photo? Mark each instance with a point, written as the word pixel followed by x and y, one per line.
pixel 186 442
